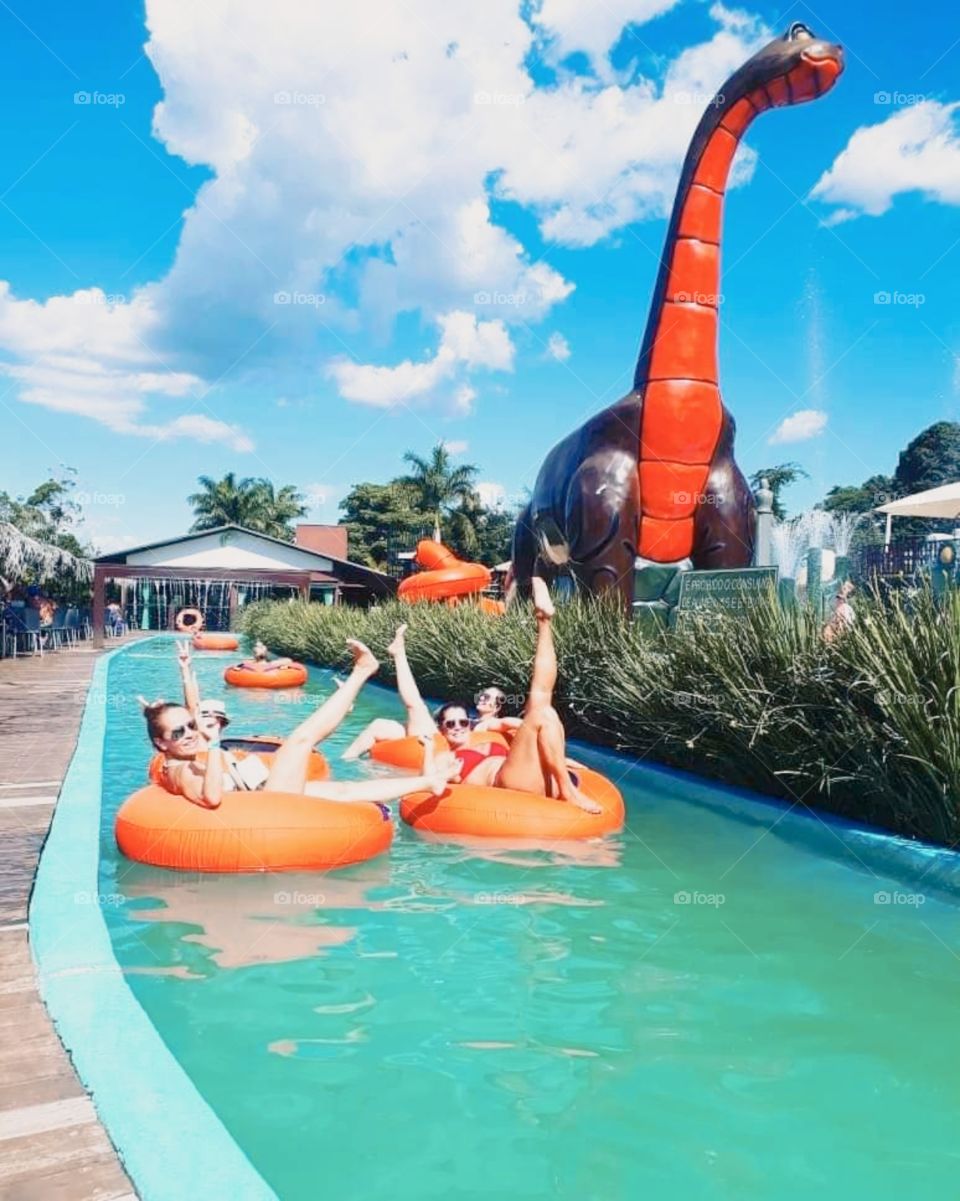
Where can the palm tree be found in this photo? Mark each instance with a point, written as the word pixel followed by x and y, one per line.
pixel 438 486
pixel 252 503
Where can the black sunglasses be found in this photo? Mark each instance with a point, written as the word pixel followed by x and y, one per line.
pixel 178 734
pixel 456 723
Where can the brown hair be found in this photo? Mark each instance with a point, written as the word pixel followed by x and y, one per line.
pixel 153 711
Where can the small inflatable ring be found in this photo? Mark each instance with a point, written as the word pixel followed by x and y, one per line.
pixel 189 621
pixel 215 642
pixel 407 752
pixel 278 677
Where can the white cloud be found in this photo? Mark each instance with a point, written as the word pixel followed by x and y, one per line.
pixel 465 343
pixel 558 347
pixel 456 446
pixel 492 494
pixel 355 154
pixel 917 149
pixel 799 427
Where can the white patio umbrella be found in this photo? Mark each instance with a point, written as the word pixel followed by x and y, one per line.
pixel 935 502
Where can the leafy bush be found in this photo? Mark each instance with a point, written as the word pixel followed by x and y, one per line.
pixel 867 727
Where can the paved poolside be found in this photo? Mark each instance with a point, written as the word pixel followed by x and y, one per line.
pixel 52 1146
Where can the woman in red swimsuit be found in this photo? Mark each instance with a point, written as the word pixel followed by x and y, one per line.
pixel 536 760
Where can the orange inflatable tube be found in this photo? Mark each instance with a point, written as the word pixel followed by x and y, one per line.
pixel 250 832
pixel 408 752
pixel 261 745
pixel 444 575
pixel 469 809
pixel 207 641
pixel 277 677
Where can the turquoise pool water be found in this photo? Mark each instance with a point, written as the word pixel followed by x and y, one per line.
pixel 697 1009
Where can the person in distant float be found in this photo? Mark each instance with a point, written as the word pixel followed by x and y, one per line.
pixel 194 767
pixel 843 617
pixel 261 660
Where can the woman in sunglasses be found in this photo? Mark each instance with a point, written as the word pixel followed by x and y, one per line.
pixel 536 761
pixel 420 721
pixel 194 766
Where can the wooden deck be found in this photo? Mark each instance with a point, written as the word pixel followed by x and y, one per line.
pixel 52 1146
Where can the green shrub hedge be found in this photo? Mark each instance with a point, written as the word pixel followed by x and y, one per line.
pixel 868 727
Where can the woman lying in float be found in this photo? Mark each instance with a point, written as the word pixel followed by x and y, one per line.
pixel 263 672
pixel 529 790
pixel 400 743
pixel 197 818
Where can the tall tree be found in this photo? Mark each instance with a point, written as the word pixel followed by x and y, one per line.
pixel 382 519
pixel 778 479
pixel 50 513
pixel 438 485
pixel 252 503
pixel 931 459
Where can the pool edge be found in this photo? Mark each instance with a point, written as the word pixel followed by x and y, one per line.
pixel 168 1138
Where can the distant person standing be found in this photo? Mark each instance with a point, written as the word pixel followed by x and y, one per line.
pixel 843 617
pixel 115 618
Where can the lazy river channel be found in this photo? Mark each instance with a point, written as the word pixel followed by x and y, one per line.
pixel 703 1007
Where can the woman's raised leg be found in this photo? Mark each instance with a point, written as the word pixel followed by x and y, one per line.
pixel 288 770
pixel 419 719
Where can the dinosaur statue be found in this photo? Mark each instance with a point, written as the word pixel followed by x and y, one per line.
pixel 654 474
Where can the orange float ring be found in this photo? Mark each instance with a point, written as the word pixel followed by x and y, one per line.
pixel 496 608
pixel 261 745
pixel 470 809
pixel 445 575
pixel 189 627
pixel 408 752
pixel 215 642
pixel 280 677
pixel 249 832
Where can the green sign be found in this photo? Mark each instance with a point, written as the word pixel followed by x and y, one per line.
pixel 730 592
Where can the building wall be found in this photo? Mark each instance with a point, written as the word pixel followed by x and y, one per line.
pixel 231 550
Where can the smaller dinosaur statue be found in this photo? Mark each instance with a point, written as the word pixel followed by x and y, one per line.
pixel 654 475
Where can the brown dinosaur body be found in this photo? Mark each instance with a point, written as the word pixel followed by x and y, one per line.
pixel 654 475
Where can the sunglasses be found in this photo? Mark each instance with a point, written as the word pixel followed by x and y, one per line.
pixel 178 734
pixel 457 723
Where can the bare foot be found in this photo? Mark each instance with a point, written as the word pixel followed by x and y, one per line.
pixel 397 645
pixel 583 802
pixel 363 657
pixel 542 604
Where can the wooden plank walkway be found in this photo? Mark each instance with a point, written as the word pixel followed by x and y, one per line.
pixel 52 1146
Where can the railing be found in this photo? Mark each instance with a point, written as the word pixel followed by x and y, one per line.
pixel 906 557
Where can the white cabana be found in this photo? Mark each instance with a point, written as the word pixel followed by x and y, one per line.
pixel 935 502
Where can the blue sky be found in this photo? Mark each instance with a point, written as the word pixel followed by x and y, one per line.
pixel 464 211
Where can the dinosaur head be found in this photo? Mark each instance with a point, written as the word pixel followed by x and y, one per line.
pixel 796 67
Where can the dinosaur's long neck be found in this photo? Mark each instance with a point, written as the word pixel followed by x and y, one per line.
pixel 677 371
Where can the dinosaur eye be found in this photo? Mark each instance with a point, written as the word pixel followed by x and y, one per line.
pixel 799 32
